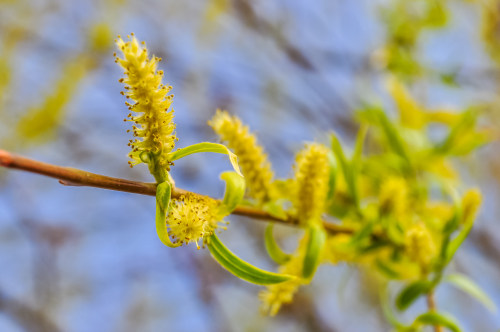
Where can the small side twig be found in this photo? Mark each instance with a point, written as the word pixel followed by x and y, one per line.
pixel 75 177
pixel 431 304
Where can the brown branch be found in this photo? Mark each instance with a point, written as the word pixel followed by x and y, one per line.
pixel 29 318
pixel 431 304
pixel 76 177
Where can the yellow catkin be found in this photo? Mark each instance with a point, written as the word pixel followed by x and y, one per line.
pixel 251 157
pixel 311 182
pixel 393 197
pixel 154 128
pixel 470 205
pixel 337 249
pixel 192 218
pixel 274 296
pixel 419 245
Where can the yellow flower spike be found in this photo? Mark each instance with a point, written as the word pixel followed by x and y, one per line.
pixel 337 249
pixel 311 182
pixel 470 205
pixel 251 157
pixel 393 197
pixel 437 213
pixel 419 245
pixel 274 296
pixel 192 218
pixel 154 128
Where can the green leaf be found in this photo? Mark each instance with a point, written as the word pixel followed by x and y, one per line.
pixel 462 127
pixel 395 140
pixel 240 268
pixel 437 318
pixel 235 189
pixel 347 170
pixel 454 244
pixel 272 247
pixel 332 176
pixel 465 284
pixel 206 147
pixel 387 310
pixel 275 208
pixel 362 234
pixel 317 238
pixel 450 226
pixel 358 149
pixel 411 292
pixel 453 223
pixel 163 194
pixel 386 269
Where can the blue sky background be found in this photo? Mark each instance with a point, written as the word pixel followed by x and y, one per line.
pixel 293 71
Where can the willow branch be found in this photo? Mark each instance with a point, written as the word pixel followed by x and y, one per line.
pixel 431 304
pixel 76 177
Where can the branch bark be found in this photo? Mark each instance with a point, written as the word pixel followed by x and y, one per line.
pixel 75 177
pixel 431 304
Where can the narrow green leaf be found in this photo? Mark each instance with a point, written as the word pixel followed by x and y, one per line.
pixel 437 318
pixel 272 247
pixel 346 169
pixel 235 189
pixel 467 285
pixel 454 244
pixel 387 310
pixel 206 147
pixel 386 269
pixel 453 223
pixel 317 238
pixel 163 193
pixel 394 140
pixel 363 233
pixel 373 246
pixel 461 127
pixel 240 268
pixel 275 208
pixel 358 149
pixel 450 226
pixel 332 176
pixel 411 292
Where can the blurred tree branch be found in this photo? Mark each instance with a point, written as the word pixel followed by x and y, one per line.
pixel 29 318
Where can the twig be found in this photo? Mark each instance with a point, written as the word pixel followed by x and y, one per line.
pixel 431 304
pixel 75 177
pixel 31 319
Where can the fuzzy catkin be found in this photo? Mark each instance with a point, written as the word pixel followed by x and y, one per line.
pixel 275 296
pixel 153 130
pixel 192 218
pixel 311 182
pixel 251 157
pixel 419 245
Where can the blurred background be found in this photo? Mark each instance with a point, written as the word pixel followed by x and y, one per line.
pixel 86 259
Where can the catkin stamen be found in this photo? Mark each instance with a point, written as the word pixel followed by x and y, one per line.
pixel 154 125
pixel 253 161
